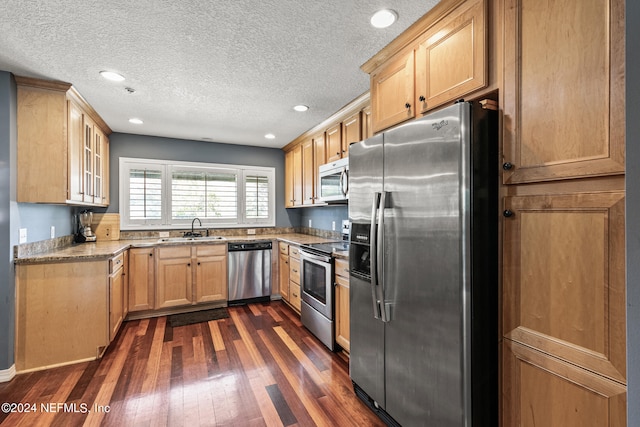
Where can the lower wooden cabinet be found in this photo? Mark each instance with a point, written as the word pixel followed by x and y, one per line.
pixel 117 291
pixel 211 274
pixel 142 282
pixel 342 303
pixel 284 276
pixel 62 314
pixel 540 390
pixel 191 274
pixel 289 279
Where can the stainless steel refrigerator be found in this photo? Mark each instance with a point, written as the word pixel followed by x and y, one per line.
pixel 423 206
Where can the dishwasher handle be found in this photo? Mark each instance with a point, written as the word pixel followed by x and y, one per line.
pixel 253 246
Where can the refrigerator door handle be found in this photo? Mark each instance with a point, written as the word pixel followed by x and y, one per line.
pixel 373 248
pixel 379 254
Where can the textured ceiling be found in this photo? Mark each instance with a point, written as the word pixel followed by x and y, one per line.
pixel 226 71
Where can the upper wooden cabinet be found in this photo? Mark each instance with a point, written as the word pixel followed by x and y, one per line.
pixel 392 92
pixel 564 83
pixel 451 59
pixel 444 62
pixel 319 158
pixel 334 142
pixel 63 146
pixel 351 132
pixel 325 143
pixel 308 175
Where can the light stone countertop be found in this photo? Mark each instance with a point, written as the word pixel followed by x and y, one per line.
pixel 106 249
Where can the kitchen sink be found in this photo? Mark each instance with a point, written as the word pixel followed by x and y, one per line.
pixel 190 239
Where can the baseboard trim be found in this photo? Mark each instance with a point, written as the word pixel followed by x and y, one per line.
pixel 7 375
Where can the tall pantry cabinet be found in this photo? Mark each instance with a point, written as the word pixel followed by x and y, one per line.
pixel 563 228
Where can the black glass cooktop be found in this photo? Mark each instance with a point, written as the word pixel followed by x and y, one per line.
pixel 327 248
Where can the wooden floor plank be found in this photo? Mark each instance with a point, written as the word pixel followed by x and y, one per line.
pixel 259 367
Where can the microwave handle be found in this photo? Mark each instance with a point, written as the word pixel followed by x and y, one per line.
pixel 344 181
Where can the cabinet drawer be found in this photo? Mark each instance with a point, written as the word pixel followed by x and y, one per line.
pixel 294 251
pixel 294 270
pixel 174 252
pixel 284 248
pixel 116 262
pixel 342 268
pixel 342 281
pixel 211 250
pixel 294 295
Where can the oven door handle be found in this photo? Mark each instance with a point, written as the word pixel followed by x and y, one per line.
pixel 314 257
pixel 374 247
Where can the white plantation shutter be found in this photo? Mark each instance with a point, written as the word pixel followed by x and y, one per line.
pixel 256 197
pixel 160 194
pixel 204 195
pixel 145 194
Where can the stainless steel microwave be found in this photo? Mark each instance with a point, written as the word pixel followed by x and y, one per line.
pixel 334 181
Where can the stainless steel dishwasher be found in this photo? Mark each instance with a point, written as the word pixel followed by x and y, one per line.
pixel 249 272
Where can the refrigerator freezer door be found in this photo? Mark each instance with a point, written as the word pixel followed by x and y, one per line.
pixel 366 364
pixel 423 266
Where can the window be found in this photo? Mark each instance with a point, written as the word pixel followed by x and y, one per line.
pixel 156 194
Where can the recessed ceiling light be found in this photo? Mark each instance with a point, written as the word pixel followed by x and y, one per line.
pixel 112 75
pixel 270 136
pixel 384 18
pixel 136 121
pixel 301 108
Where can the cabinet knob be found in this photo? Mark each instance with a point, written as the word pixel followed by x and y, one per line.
pixel 188 264
pixel 507 213
pixel 507 166
pixel 337 153
pixel 151 254
pixel 198 263
pixel 422 98
pixel 407 105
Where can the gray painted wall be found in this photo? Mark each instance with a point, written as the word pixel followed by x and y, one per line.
pixel 632 209
pixel 7 140
pixel 151 147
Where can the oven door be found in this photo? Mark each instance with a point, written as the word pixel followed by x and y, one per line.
pixel 316 275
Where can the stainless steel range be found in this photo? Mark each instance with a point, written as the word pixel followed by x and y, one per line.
pixel 316 277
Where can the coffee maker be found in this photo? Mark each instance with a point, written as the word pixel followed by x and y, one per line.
pixel 84 227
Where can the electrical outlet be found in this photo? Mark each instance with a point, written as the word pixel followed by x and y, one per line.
pixel 309 223
pixel 163 234
pixel 23 235
pixel 251 231
pixel 333 225
pixel 53 231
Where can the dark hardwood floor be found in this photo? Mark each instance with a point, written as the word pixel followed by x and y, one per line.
pixel 258 367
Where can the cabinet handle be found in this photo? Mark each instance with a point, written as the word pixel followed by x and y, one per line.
pixel 295 295
pixel 422 98
pixel 508 213
pixel 294 270
pixel 407 105
pixel 507 166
